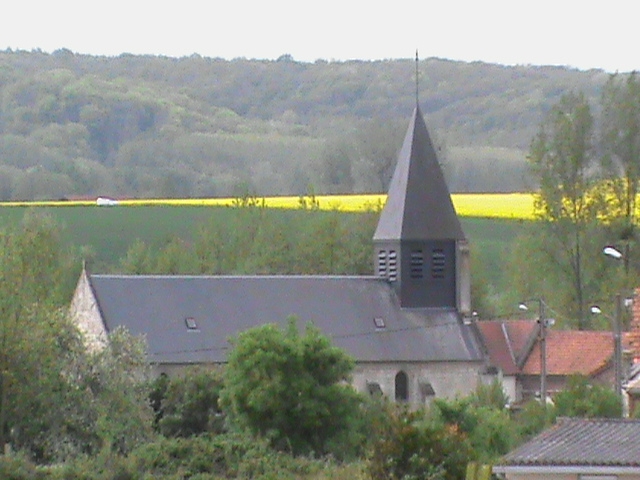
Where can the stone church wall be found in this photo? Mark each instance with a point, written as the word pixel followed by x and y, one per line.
pixel 425 380
pixel 85 313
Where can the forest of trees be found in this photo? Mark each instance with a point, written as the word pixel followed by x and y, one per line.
pixel 145 126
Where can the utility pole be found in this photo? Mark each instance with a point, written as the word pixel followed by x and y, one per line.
pixel 543 323
pixel 617 321
pixel 543 353
pixel 617 339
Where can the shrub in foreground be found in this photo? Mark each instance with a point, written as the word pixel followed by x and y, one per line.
pixel 409 445
pixel 196 458
pixel 292 389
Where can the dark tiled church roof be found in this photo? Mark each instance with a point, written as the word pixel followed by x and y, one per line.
pixel 189 319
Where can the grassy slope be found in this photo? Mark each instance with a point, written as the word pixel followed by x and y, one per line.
pixel 108 232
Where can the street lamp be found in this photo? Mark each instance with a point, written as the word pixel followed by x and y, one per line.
pixel 542 335
pixel 617 320
pixel 612 252
pixel 617 341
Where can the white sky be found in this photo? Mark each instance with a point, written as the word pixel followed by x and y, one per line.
pixel 582 34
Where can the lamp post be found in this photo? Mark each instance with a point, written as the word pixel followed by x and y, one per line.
pixel 542 335
pixel 617 326
pixel 617 341
pixel 612 252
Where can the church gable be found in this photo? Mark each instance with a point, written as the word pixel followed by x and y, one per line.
pixel 86 314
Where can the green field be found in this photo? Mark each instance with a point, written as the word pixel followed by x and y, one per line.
pixel 109 232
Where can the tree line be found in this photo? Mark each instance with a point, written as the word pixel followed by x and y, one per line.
pixel 143 126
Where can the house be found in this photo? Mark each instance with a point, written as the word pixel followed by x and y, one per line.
pixel 405 326
pixel 513 350
pixel 631 343
pixel 577 448
pixel 505 343
pixel 632 391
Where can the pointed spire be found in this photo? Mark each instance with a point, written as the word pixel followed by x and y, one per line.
pixel 419 205
pixel 417 78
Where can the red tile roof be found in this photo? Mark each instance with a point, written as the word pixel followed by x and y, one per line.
pixel 505 341
pixel 571 352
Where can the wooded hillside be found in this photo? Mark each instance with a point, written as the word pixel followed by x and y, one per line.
pixel 145 126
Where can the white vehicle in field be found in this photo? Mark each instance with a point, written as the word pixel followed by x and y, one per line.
pixel 106 202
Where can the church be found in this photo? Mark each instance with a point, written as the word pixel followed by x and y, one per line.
pixel 407 326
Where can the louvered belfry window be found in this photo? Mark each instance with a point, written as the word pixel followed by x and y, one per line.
pixel 393 265
pixel 382 263
pixel 417 264
pixel 437 263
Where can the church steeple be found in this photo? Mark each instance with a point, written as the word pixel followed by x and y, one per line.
pixel 419 243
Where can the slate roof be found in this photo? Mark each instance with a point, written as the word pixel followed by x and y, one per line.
pixel 344 308
pixel 581 442
pixel 571 352
pixel 419 205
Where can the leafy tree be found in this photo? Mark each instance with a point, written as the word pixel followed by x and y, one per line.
pixel 533 418
pixel 137 260
pixel 116 380
pixel 406 444
pixel 582 398
pixel 620 144
pixel 377 147
pixel 490 395
pixel 290 388
pixel 56 400
pixel 44 412
pixel 175 258
pixel 489 429
pixel 562 159
pixel 32 270
pixel 336 169
pixel 189 404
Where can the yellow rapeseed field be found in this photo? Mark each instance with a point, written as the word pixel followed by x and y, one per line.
pixel 489 205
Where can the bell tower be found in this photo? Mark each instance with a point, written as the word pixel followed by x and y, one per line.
pixel 419 245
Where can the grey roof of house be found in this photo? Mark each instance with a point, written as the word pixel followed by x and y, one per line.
pixel 419 205
pixel 343 308
pixel 581 442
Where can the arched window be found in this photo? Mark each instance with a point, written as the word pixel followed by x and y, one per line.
pixel 402 386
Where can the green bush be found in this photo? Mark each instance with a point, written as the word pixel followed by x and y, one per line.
pixel 584 399
pixel 220 456
pixel 18 467
pixel 188 405
pixel 487 428
pixel 293 389
pixel 409 445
